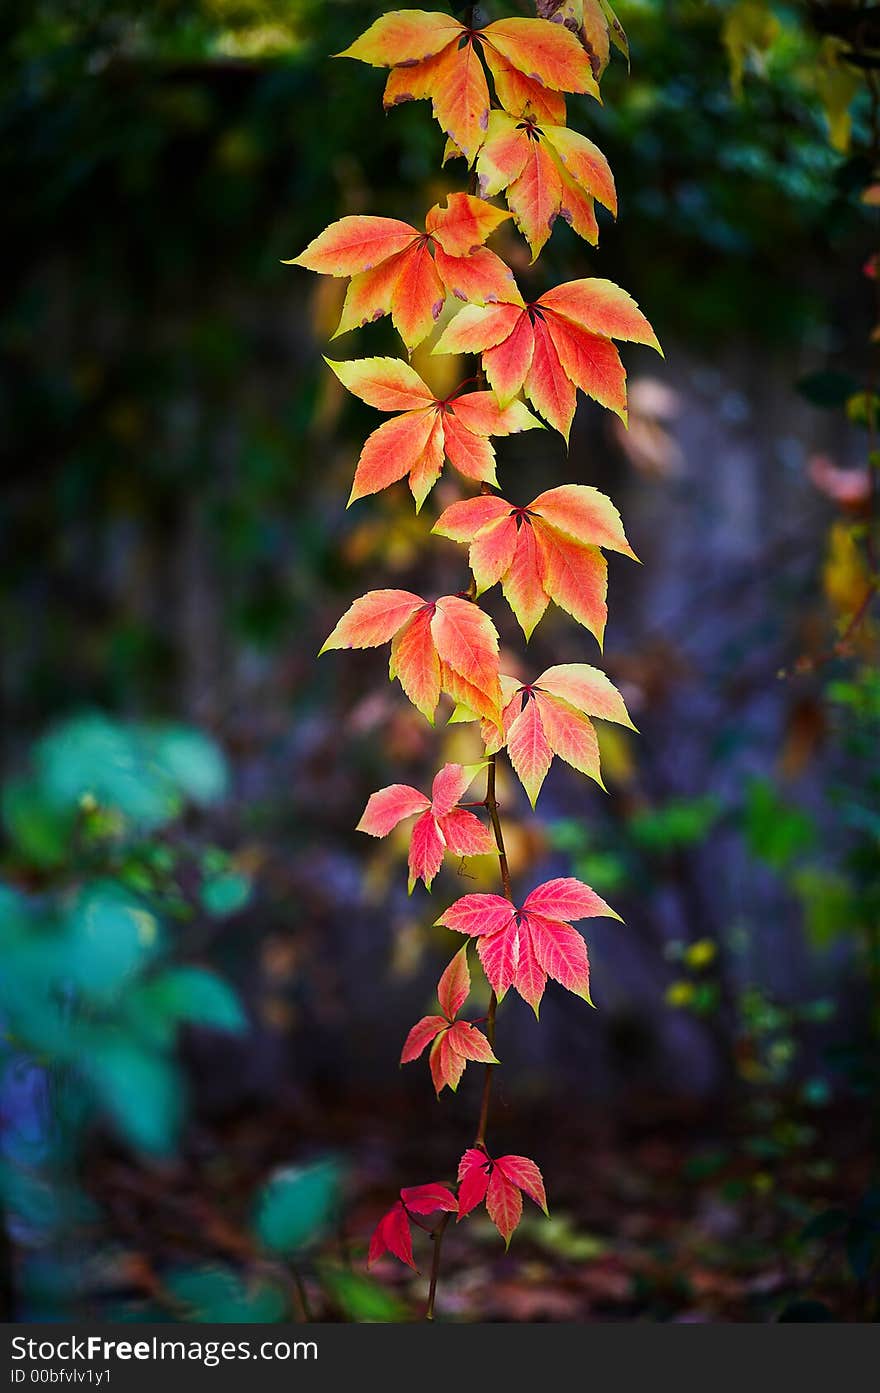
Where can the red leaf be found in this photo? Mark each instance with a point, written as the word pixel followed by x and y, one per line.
pixel 427 1199
pixel 473 1180
pixel 517 946
pixel 576 579
pixel 454 985
pixel 524 581
pixel 421 1035
pixel 464 224
pixel 462 639
pixel 441 823
pixel 450 783
pixel 499 1182
pixel 523 1173
pixel 503 1204
pixel 392 1235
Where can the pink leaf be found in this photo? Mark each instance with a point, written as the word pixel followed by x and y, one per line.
pixel 449 785
pixel 504 1204
pixel 566 898
pixel 523 1173
pixel 478 914
pixel 422 1033
pixel 454 985
pixel 426 850
pixel 465 834
pixel 389 806
pixel 470 1043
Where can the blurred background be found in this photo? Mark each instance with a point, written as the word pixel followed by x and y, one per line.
pixel 207 972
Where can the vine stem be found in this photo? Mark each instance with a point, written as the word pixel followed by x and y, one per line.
pixel 491 805
pixel 437 1239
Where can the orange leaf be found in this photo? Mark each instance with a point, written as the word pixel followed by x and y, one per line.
pixel 404 36
pixel 558 343
pixel 414 443
pixel 400 271
pixel 354 244
pixel 546 52
pixel 462 637
pixel 432 56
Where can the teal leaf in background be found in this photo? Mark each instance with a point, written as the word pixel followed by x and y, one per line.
pixel 109 937
pixel 218 1295
pixel 192 761
pixel 226 893
pixel 297 1204
pixel 139 1090
pixel 190 995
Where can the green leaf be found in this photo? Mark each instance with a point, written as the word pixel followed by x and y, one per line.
pixel 681 822
pixel 775 831
pixel 40 832
pixel 296 1205
pixel 360 1298
pixel 830 909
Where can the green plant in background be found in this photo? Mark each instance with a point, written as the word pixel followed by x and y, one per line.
pixel 93 923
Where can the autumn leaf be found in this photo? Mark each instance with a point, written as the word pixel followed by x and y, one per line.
pixel 594 23
pixel 548 171
pixel 551 716
pixel 434 56
pixel 501 1183
pixel 522 947
pixel 392 1233
pixel 397 270
pixel 441 825
pixel 415 443
pixel 446 645
pixel 452 1042
pixel 559 342
pixel 549 550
